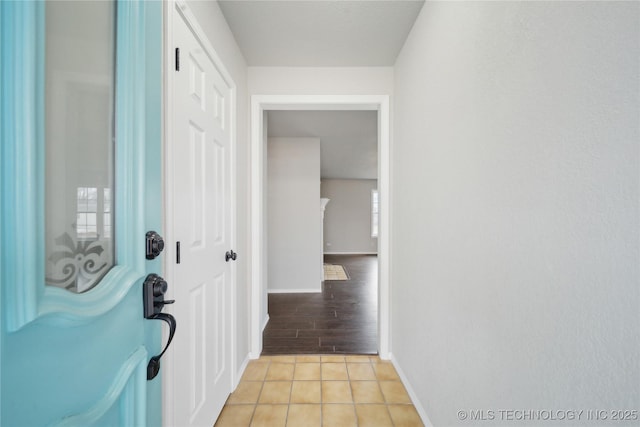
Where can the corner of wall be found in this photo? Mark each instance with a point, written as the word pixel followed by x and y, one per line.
pixel 412 394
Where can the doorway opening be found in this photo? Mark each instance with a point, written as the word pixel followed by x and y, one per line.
pixel 322 169
pixel 261 104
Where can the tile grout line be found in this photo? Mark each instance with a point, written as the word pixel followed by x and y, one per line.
pixel 353 401
pixel 286 417
pixel 321 400
pixel 255 407
pixel 386 404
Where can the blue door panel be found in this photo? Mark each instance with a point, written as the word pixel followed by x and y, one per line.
pixel 54 372
pixel 78 359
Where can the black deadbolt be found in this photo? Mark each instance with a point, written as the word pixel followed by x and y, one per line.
pixel 155 244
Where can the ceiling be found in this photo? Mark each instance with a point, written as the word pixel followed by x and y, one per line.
pixel 325 33
pixel 320 33
pixel 348 139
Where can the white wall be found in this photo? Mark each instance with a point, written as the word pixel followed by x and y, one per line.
pixel 320 80
pixel 215 26
pixel 347 218
pixel 293 214
pixel 515 276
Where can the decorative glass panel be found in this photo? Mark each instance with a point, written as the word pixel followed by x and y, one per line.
pixel 79 140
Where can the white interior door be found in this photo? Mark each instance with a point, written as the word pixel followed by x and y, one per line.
pixel 202 207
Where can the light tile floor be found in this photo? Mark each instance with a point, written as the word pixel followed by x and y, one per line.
pixel 315 391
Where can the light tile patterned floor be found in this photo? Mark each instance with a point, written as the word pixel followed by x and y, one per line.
pixel 315 391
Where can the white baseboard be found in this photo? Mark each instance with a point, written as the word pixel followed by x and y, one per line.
pixel 414 398
pixel 240 372
pixel 351 253
pixel 294 291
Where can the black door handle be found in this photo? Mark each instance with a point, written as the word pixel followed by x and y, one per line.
pixel 153 290
pixel 153 367
pixel 230 255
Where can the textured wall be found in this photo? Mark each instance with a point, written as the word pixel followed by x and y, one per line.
pixel 515 275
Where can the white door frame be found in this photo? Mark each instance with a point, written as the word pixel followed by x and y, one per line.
pixel 175 9
pixel 261 103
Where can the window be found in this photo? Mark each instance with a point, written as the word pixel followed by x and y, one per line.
pixel 106 204
pixel 87 213
pixel 93 213
pixel 375 205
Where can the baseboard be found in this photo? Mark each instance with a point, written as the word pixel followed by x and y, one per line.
pixel 414 398
pixel 240 372
pixel 351 253
pixel 294 291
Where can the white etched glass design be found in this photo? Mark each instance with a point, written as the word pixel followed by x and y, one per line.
pixel 79 140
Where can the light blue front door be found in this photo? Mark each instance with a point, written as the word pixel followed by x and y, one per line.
pixel 74 342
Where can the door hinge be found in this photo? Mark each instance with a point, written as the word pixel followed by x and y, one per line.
pixel 177 59
pixel 177 252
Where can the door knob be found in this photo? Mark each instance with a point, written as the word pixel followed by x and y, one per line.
pixel 230 255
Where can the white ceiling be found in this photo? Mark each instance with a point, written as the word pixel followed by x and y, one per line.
pixel 319 33
pixel 325 33
pixel 348 139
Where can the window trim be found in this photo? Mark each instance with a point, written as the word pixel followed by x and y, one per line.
pixel 375 212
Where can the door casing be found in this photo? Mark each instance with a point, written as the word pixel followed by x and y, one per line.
pixel 262 103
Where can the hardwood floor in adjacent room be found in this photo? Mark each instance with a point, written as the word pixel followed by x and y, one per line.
pixel 343 318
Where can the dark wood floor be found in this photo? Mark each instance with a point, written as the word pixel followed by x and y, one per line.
pixel 341 319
